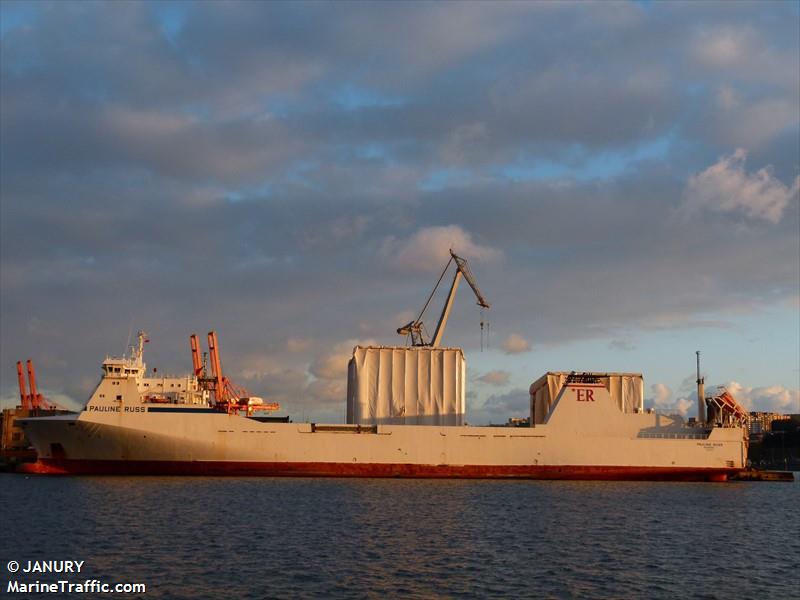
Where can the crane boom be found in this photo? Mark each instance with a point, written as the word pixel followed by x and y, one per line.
pixel 23 394
pixel 414 328
pixel 36 397
pixel 216 367
pixel 197 363
pixel 463 266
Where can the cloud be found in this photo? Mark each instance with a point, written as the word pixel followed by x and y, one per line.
pixel 755 122
pixel 741 49
pixel 724 46
pixel 256 366
pixel 330 366
pixel 499 407
pixel 428 249
pixel 291 386
pixel 683 406
pixel 726 187
pixel 515 344
pixel 662 395
pixel 294 344
pixel 663 401
pixel 621 345
pixel 331 392
pixel 498 378
pixel 773 398
pixel 333 365
pixel 252 147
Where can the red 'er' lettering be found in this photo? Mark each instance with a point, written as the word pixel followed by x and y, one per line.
pixel 584 395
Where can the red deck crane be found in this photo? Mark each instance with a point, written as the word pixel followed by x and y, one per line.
pixel 228 397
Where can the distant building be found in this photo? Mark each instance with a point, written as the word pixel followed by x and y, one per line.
pixel 788 425
pixel 761 422
pixel 11 435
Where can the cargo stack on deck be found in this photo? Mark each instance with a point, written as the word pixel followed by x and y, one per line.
pixel 398 385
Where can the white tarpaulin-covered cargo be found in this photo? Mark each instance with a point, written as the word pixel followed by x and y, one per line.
pixel 406 385
pixel 626 390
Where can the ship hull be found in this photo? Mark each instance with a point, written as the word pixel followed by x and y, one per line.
pixel 581 440
pixel 376 470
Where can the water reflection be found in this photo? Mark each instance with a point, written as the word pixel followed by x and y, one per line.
pixel 260 537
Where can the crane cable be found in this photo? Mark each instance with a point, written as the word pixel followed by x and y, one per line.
pixel 484 321
pixel 428 301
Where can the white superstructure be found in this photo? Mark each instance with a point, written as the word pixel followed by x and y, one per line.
pixel 125 385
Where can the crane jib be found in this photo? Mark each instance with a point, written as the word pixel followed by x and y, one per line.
pixel 415 328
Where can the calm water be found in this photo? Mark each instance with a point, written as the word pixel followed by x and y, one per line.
pixel 294 538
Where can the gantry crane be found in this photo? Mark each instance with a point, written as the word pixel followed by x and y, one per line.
pixel 33 401
pixel 414 329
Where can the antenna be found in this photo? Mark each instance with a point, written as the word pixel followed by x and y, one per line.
pixel 130 333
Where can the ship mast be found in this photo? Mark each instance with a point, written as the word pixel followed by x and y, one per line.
pixel 701 401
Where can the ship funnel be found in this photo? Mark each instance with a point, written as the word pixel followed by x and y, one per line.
pixel 701 402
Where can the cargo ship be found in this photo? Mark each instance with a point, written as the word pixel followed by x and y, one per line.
pixel 582 426
pixel 405 418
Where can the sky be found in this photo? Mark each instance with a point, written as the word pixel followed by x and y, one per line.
pixel 623 177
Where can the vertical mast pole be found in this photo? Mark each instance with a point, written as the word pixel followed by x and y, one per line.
pixel 701 402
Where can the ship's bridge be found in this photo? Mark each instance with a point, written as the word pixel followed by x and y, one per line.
pixel 125 366
pixel 122 367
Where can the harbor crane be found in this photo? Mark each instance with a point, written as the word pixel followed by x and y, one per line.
pixel 415 328
pixel 33 401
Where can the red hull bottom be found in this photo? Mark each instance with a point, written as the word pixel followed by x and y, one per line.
pixel 321 469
